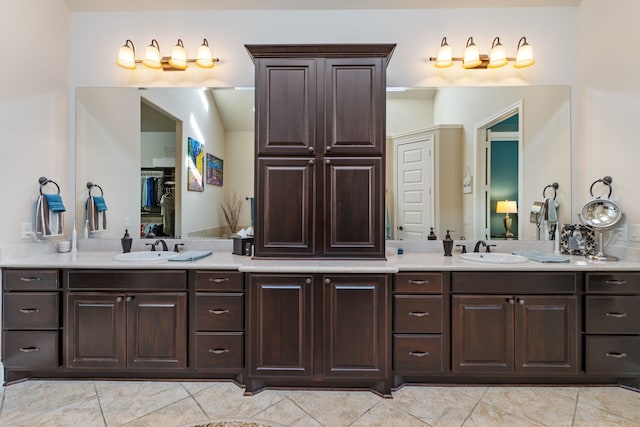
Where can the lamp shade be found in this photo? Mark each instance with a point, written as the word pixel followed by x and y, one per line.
pixel 471 55
pixel 507 207
pixel 524 56
pixel 498 56
pixel 444 58
pixel 127 56
pixel 152 55
pixel 178 56
pixel 204 58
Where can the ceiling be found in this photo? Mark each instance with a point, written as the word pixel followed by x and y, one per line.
pixel 158 5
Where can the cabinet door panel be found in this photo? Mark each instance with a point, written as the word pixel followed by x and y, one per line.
pixel 281 326
pixel 286 127
pixel 482 334
pixel 286 200
pixel 157 331
pixel 355 107
pixel 356 326
pixel 546 334
pixel 95 330
pixel 354 208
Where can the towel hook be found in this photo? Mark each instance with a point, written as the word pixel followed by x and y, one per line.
pixel 44 181
pixel 555 186
pixel 90 186
pixel 607 180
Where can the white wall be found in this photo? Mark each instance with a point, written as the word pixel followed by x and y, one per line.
pixel 33 109
pixel 609 99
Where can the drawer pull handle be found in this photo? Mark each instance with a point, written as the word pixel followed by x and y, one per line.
pixel 29 310
pixel 219 279
pixel 418 282
pixel 30 279
pixel 418 313
pixel 418 353
pixel 615 282
pixel 616 315
pixel 29 349
pixel 218 350
pixel 616 355
pixel 218 311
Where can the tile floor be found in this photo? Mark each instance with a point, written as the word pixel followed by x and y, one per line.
pixel 160 404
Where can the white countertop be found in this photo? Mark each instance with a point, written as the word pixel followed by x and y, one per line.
pixel 223 260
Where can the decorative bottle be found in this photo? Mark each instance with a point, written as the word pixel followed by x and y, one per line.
pixel 126 241
pixel 447 244
pixel 432 235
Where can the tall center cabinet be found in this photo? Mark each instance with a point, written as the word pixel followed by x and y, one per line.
pixel 320 146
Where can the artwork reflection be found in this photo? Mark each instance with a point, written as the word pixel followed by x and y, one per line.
pixel 195 165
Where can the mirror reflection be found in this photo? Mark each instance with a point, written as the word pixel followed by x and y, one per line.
pixel 452 155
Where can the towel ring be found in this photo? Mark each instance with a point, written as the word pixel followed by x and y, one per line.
pixel 554 186
pixel 90 186
pixel 44 181
pixel 607 180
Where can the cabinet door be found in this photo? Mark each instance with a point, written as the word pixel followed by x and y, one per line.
pixel 285 205
pixel 546 334
pixel 286 102
pixel 355 106
pixel 482 333
pixel 354 207
pixel 157 331
pixel 95 330
pixel 357 326
pixel 280 326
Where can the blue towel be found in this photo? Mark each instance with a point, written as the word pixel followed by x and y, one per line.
pixel 100 204
pixel 190 256
pixel 541 256
pixel 55 202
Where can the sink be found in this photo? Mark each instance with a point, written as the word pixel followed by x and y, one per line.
pixel 493 258
pixel 149 256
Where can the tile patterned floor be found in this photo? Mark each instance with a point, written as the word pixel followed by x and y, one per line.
pixel 169 404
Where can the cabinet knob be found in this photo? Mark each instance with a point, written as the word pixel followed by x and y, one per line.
pixel 511 301
pixel 327 161
pixel 29 310
pixel 308 281
pixel 119 299
pixel 520 301
pixel 218 350
pixel 311 162
pixel 129 298
pixel 328 148
pixel 418 353
pixel 327 281
pixel 310 149
pixel 218 311
pixel 418 313
pixel 616 355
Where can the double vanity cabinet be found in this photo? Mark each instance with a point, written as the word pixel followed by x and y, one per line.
pixel 359 330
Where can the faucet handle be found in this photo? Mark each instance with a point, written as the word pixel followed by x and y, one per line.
pixel 176 247
pixel 464 248
pixel 153 246
pixel 489 247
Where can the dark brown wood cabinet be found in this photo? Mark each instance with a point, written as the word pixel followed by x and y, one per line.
pixel 326 330
pixel 320 138
pixel 142 325
pixel 514 333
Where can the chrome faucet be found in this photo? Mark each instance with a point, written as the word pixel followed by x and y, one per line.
pixel 164 245
pixel 476 248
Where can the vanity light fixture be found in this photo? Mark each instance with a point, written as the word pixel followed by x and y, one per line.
pixel 178 60
pixel 473 59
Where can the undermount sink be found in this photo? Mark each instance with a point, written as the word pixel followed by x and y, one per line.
pixel 150 256
pixel 493 258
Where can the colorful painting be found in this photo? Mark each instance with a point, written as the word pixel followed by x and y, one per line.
pixel 195 165
pixel 215 168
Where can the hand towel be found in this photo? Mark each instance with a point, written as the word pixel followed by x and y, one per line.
pixel 55 202
pixel 552 205
pixel 100 203
pixel 97 218
pixel 48 222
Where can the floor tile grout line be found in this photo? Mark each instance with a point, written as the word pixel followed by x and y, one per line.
pixel 286 397
pixel 95 389
pixel 575 409
pixel 616 414
pixel 474 406
pixel 501 409
pixel 196 400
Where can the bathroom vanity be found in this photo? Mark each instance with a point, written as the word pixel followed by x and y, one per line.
pixel 364 324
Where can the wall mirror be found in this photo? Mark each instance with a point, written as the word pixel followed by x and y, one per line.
pixel 125 136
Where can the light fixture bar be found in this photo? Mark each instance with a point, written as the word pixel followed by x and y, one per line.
pixel 126 57
pixel 523 59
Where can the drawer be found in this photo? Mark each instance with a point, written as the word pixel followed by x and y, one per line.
pixel 418 282
pixel 26 280
pixel 417 354
pixel 133 280
pixel 219 312
pixel 222 350
pixel 613 355
pixel 31 310
pixel 513 282
pixel 417 313
pixel 613 283
pixel 31 349
pixel 613 315
pixel 218 281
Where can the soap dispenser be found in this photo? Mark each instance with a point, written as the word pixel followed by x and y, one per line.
pixel 126 241
pixel 432 235
pixel 447 243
